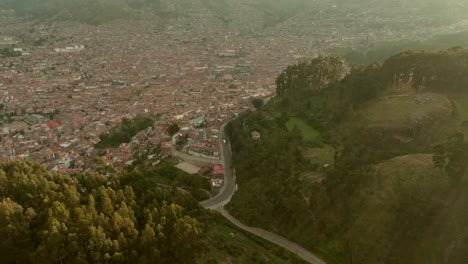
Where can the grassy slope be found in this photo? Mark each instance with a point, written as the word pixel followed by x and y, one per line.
pixel 392 213
pixel 322 156
pixel 407 110
pixel 308 132
pixel 404 124
pixel 228 244
pixel 461 104
pixel 445 241
pixel 315 150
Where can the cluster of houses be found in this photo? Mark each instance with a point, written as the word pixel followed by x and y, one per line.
pixel 215 172
pixel 57 101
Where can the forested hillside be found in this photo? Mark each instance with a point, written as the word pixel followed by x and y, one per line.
pixel 117 218
pixel 90 218
pixel 365 168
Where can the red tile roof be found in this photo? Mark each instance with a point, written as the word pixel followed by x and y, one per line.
pixel 53 124
pixel 218 169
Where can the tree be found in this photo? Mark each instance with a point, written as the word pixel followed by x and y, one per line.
pixel 310 75
pixel 124 132
pixel 9 52
pixel 439 158
pixel 456 156
pixel 15 241
pixel 173 129
pixel 257 103
pixel 92 218
pixel 297 135
pixel 282 120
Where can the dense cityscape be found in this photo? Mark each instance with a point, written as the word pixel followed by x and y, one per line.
pixel 73 82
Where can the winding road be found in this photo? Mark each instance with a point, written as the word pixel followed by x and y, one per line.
pixel 274 238
pixel 229 187
pixel 217 203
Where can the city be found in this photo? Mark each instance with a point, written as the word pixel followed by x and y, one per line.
pixel 233 131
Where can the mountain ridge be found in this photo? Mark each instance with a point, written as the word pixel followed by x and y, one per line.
pixel 270 12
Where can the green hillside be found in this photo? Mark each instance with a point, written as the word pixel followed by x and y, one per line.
pixel 389 174
pixel 400 200
pixel 406 121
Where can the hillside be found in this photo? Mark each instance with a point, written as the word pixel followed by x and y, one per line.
pixel 402 197
pixel 362 169
pixel 406 120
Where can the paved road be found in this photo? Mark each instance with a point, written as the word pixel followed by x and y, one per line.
pixel 217 203
pixel 230 186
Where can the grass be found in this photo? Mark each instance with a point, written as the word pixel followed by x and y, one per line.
pixel 414 180
pixel 309 133
pixel 408 166
pixel 415 172
pixel 403 188
pixel 407 110
pixel 323 155
pixel 462 106
pixel 462 111
pixel 450 223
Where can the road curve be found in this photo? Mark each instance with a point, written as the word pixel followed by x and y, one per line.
pixel 219 201
pixel 229 187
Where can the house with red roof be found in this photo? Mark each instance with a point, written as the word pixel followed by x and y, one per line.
pixel 53 124
pixel 218 171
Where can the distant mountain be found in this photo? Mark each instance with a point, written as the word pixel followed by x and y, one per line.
pixel 231 12
pixel 84 11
